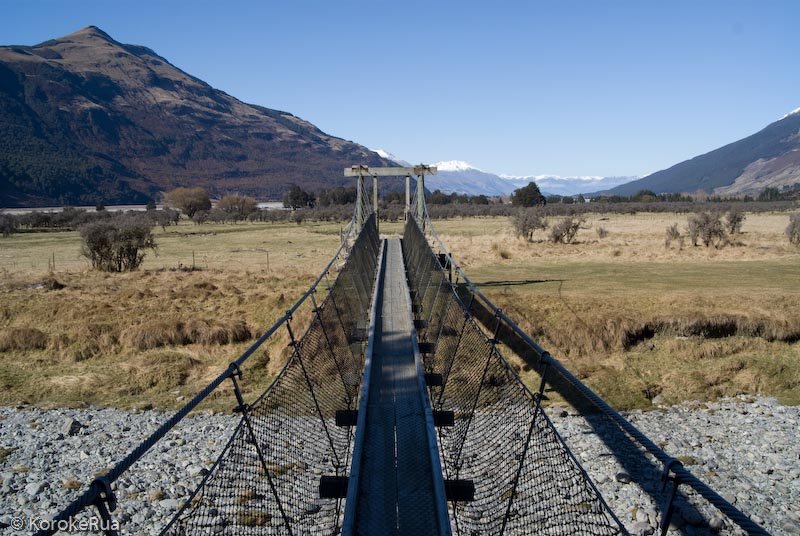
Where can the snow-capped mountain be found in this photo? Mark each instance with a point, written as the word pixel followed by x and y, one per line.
pixel 795 111
pixel 456 165
pixel 554 184
pixel 389 156
pixel 463 177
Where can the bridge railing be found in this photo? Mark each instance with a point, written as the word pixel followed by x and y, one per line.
pixel 526 480
pixel 267 478
pixel 561 379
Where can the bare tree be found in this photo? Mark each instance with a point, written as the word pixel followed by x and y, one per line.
pixel 734 219
pixel 528 221
pixel 189 200
pixel 707 227
pixel 237 207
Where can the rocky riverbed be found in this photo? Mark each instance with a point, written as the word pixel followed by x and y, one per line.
pixel 745 448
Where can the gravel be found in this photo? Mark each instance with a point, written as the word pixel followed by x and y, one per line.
pixel 58 450
pixel 745 448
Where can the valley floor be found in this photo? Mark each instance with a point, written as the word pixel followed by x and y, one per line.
pixel 638 321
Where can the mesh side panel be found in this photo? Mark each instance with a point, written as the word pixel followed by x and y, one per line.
pixel 267 481
pixel 526 480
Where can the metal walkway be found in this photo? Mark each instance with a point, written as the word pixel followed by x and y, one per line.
pixel 396 482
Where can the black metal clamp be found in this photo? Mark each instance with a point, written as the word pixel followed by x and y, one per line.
pixel 236 372
pixel 498 317
pixel 666 517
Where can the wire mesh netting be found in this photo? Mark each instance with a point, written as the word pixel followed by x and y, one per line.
pixel 526 480
pixel 266 481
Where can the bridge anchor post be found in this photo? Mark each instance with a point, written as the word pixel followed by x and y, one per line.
pixel 666 478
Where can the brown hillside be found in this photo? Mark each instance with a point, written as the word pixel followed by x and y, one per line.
pixel 85 119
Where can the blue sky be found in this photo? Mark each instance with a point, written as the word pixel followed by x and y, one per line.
pixel 563 87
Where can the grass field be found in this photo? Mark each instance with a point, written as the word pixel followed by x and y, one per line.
pixel 636 319
pixel 631 317
pixel 116 339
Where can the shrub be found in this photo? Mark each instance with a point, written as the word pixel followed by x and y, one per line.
pixel 793 230
pixel 8 224
pixel 237 207
pixel 565 231
pixel 189 200
pixel 602 232
pixel 216 215
pixel 200 217
pixel 708 228
pixel 528 221
pixel 673 234
pixel 734 219
pixel 118 244
pixel 164 217
pixel 501 251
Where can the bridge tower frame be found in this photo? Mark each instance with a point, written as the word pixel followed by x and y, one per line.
pixel 360 172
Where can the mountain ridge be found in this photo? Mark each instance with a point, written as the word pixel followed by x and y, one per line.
pixel 768 158
pixel 86 119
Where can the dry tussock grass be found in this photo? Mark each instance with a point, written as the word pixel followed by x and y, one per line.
pixel 623 333
pixel 173 332
pixel 149 336
pixel 636 320
pixel 165 369
pixel 22 338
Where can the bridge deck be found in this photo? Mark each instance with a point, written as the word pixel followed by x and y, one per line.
pixel 398 492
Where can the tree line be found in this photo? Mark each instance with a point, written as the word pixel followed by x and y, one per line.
pixel 117 241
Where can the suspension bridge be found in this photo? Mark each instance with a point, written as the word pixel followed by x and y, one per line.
pixel 397 412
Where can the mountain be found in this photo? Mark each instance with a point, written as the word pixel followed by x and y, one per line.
pixel 464 178
pixel 389 156
pixel 85 119
pixel 556 185
pixel 770 157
